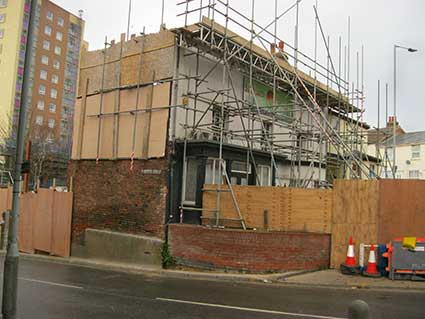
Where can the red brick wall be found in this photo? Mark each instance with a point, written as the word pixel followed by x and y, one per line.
pixel 110 196
pixel 252 251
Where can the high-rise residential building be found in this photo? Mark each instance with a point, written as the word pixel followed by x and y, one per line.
pixel 54 74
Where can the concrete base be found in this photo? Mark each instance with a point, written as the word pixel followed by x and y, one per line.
pixel 120 248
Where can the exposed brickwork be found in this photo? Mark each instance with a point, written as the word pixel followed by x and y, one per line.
pixel 248 250
pixel 110 196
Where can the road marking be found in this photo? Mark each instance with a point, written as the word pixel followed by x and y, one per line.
pixel 50 283
pixel 248 309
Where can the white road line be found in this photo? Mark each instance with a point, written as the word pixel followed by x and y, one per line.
pixel 247 309
pixel 50 283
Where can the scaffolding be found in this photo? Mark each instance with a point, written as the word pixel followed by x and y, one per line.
pixel 304 131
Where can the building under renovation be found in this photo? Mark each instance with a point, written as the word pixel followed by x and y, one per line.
pixel 161 115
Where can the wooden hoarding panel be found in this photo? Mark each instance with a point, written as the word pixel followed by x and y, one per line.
pixel 5 200
pixel 107 127
pixel 43 220
pixel 28 208
pixel 90 131
pixel 159 121
pixel 287 209
pixel 355 214
pixel 61 231
pixel 402 209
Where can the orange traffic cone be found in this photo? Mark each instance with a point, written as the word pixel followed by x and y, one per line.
pixel 350 267
pixel 371 270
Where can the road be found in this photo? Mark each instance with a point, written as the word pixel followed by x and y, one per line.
pixel 52 290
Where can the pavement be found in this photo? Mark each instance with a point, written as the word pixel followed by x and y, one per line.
pixel 66 290
pixel 334 278
pixel 322 278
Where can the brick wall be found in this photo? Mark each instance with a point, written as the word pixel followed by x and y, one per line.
pixel 248 250
pixel 110 196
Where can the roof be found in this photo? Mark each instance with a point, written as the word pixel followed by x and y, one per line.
pixel 374 136
pixel 408 138
pixel 309 81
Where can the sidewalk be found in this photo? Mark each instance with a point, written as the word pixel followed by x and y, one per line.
pixel 324 278
pixel 333 278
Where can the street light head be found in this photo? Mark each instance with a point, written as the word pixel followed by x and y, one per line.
pixel 412 50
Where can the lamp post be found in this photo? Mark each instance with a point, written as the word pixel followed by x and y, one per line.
pixel 395 101
pixel 11 261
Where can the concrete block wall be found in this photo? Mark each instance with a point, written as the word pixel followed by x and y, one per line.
pixel 110 196
pixel 119 248
pixel 252 251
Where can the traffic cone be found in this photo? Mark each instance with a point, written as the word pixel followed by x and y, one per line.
pixel 371 270
pixel 350 267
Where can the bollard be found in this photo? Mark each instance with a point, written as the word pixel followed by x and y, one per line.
pixel 4 230
pixel 358 309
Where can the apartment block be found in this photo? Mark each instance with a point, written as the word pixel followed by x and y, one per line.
pixel 54 73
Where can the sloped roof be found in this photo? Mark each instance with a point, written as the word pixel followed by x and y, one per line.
pixel 408 138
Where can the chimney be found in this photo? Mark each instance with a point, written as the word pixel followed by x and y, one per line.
pixel 390 122
pixel 281 45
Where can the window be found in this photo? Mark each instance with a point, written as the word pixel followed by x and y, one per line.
pixel 61 22
pixel 190 180
pixel 3 3
pixel 42 89
pixel 39 120
pixel 240 172
pixel 45 59
pixel 414 174
pixel 52 107
pixel 49 15
pixel 40 105
pixel 212 171
pixel 59 36
pixel 2 17
pixel 53 93
pixel 46 45
pixel 58 50
pixel 264 177
pixel 56 64
pixel 416 151
pixel 51 123
pixel 48 30
pixel 1 33
pixel 43 74
pixel 55 79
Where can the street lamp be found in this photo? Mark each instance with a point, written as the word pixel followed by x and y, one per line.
pixel 395 100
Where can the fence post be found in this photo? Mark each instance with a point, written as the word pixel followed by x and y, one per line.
pixel 266 219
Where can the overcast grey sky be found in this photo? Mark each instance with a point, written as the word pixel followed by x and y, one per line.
pixel 376 24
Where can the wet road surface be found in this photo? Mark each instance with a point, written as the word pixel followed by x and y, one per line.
pixel 52 290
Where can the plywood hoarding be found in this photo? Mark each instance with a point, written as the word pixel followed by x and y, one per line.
pixel 139 127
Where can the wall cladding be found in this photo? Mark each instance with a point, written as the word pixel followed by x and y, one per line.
pixel 110 196
pixel 251 251
pixel 288 209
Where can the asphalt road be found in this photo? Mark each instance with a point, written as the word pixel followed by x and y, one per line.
pixel 51 290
